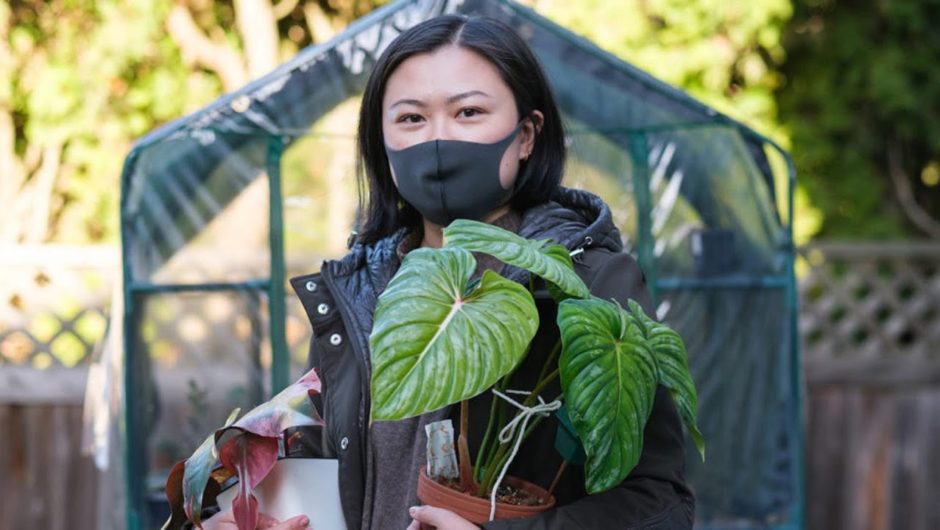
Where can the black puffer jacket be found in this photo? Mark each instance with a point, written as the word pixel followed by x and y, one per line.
pixel 340 301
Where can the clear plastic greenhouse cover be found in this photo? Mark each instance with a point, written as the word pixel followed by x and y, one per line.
pixel 694 193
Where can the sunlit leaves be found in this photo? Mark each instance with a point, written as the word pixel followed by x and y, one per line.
pixel 550 262
pixel 437 340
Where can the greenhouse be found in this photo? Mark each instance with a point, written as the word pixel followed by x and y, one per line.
pixel 221 207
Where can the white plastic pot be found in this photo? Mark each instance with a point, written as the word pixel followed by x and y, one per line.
pixel 299 486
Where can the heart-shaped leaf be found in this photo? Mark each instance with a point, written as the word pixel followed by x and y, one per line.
pixel 291 407
pixel 608 377
pixel 254 432
pixel 672 370
pixel 174 496
pixel 434 343
pixel 251 457
pixel 550 262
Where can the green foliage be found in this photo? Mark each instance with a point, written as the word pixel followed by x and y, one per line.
pixel 91 77
pixel 549 262
pixel 863 82
pixel 86 78
pixel 438 339
pixel 724 53
pixel 610 365
pixel 609 377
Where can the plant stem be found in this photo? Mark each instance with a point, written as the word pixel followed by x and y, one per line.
pixel 490 464
pixel 550 359
pixel 531 398
pixel 493 445
pixel 487 440
pixel 488 445
pixel 489 448
pixel 466 467
pixel 502 455
pixel 561 470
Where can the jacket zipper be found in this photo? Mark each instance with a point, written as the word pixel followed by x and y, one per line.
pixel 577 252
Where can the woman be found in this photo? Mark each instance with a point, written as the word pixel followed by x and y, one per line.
pixel 458 121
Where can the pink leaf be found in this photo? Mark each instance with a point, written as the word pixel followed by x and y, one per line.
pixel 251 457
pixel 290 408
pixel 248 448
pixel 245 506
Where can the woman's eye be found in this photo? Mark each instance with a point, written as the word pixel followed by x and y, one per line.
pixel 410 118
pixel 469 112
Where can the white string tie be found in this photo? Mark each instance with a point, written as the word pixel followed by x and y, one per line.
pixel 509 431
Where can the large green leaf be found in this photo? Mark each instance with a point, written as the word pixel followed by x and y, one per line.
pixel 672 370
pixel 434 343
pixel 608 376
pixel 550 262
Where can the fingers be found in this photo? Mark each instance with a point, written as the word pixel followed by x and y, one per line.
pixel 266 521
pixel 219 521
pixel 415 525
pixel 440 518
pixel 294 523
pixel 225 520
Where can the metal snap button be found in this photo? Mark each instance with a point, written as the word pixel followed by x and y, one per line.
pixel 344 443
pixel 323 309
pixel 336 339
pixel 311 286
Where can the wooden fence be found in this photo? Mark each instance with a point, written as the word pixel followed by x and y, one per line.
pixel 53 312
pixel 870 324
pixel 47 482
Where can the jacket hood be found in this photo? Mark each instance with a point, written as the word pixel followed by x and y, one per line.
pixel 573 218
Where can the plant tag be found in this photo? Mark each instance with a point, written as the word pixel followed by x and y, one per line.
pixel 442 458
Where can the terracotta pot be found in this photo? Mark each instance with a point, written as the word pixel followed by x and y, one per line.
pixel 475 509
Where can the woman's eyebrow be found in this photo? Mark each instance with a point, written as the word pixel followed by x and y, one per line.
pixel 451 100
pixel 465 95
pixel 414 102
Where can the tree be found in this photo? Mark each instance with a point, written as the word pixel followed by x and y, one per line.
pixel 723 53
pixel 862 101
pixel 726 54
pixel 81 79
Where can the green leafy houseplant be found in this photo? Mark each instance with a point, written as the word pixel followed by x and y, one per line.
pixel 440 337
pixel 247 448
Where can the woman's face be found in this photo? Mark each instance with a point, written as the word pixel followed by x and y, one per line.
pixel 454 94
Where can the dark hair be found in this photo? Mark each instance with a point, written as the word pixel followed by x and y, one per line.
pixel 539 177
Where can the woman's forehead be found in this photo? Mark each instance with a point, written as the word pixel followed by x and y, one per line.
pixel 441 75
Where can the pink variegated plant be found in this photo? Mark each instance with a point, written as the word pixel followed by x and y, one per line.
pixel 247 448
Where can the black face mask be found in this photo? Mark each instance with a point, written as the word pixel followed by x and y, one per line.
pixel 451 179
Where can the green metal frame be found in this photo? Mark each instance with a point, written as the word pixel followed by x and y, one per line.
pixel 787 281
pixel 134 450
pixel 134 292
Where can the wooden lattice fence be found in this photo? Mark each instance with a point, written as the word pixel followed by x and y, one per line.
pixel 876 300
pixel 870 326
pixel 54 303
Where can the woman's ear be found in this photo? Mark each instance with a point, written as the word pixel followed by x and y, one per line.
pixel 530 130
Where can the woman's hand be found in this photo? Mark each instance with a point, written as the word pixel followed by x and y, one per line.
pixel 431 517
pixel 225 520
